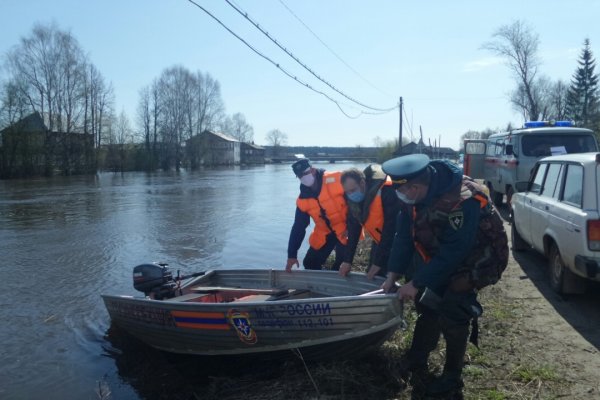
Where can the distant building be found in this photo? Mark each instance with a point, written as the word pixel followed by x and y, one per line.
pixel 212 148
pixel 431 151
pixel 252 154
pixel 29 148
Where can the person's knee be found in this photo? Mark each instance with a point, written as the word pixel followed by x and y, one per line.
pixel 311 262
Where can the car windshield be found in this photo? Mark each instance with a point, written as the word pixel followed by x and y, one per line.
pixel 548 145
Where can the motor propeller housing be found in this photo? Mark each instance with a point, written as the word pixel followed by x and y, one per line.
pixel 154 280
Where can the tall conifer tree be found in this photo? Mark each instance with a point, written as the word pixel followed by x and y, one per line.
pixel 582 98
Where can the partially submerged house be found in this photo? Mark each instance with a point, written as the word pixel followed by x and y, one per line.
pixel 252 154
pixel 215 148
pixel 29 148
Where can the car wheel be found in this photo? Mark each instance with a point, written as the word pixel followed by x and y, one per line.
pixel 518 243
pixel 556 269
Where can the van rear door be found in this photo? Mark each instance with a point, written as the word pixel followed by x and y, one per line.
pixel 474 160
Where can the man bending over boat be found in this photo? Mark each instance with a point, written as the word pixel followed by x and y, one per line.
pixel 322 199
pixel 450 244
pixel 372 205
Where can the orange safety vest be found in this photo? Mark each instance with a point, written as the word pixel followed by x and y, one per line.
pixel 328 211
pixel 374 223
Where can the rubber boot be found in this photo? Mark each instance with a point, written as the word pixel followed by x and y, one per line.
pixel 425 338
pixel 456 346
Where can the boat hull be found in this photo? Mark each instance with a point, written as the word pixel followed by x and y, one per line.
pixel 340 321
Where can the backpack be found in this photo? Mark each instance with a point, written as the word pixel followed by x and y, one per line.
pixel 489 257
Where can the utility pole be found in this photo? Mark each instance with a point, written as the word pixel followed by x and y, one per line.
pixel 400 128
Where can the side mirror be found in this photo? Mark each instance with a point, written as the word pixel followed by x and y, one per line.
pixel 522 186
pixel 509 150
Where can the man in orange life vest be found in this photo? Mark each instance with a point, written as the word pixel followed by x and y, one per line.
pixel 322 199
pixel 372 205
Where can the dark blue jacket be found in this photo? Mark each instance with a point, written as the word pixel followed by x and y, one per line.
pixel 455 244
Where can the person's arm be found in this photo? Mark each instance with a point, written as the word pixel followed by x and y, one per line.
pixel 301 221
pixel 402 245
pixel 455 244
pixel 354 230
pixel 391 208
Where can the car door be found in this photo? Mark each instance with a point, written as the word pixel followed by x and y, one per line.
pixel 524 201
pixel 543 207
pixel 573 240
pixel 474 161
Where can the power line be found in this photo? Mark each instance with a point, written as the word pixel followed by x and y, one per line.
pixel 245 15
pixel 331 50
pixel 277 65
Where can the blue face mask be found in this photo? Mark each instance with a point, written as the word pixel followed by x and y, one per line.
pixel 356 197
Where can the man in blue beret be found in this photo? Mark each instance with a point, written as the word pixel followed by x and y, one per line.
pixel 322 199
pixel 439 242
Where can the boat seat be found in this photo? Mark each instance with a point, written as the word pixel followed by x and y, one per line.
pixel 189 297
pixel 212 289
pixel 254 297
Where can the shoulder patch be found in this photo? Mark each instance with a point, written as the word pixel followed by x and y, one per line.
pixel 456 219
pixel 330 179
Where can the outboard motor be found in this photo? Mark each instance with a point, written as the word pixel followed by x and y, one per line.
pixel 155 280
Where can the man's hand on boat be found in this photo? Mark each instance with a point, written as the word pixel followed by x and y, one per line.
pixel 408 291
pixel 373 271
pixel 390 282
pixel 290 263
pixel 345 268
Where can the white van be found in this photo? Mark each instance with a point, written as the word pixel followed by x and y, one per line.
pixel 506 158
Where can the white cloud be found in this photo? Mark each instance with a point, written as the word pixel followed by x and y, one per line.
pixel 482 63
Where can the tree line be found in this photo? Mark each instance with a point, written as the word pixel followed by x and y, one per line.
pixel 48 72
pixel 538 97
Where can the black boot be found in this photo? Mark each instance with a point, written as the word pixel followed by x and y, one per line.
pixel 456 346
pixel 425 338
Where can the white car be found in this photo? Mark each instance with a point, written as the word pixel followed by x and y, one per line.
pixel 557 214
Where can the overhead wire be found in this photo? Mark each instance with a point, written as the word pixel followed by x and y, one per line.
pixel 278 66
pixel 331 50
pixel 257 26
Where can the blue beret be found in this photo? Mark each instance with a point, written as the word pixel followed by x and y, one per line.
pixel 300 166
pixel 405 168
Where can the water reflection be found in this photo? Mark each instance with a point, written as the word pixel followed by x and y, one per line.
pixel 64 241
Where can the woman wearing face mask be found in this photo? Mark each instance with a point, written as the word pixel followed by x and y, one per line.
pixel 322 199
pixel 372 205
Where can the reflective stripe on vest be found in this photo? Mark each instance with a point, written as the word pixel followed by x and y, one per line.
pixel 328 211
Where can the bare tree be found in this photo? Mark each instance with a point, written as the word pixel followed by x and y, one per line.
pixel 178 105
pixel 51 75
pixel 238 128
pixel 209 105
pixel 518 44
pixel 276 138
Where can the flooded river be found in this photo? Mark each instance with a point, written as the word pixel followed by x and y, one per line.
pixel 64 241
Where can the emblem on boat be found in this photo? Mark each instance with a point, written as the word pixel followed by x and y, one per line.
pixel 241 322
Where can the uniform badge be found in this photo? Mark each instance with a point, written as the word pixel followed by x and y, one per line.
pixel 456 219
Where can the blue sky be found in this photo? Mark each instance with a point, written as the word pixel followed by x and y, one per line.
pixel 427 52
